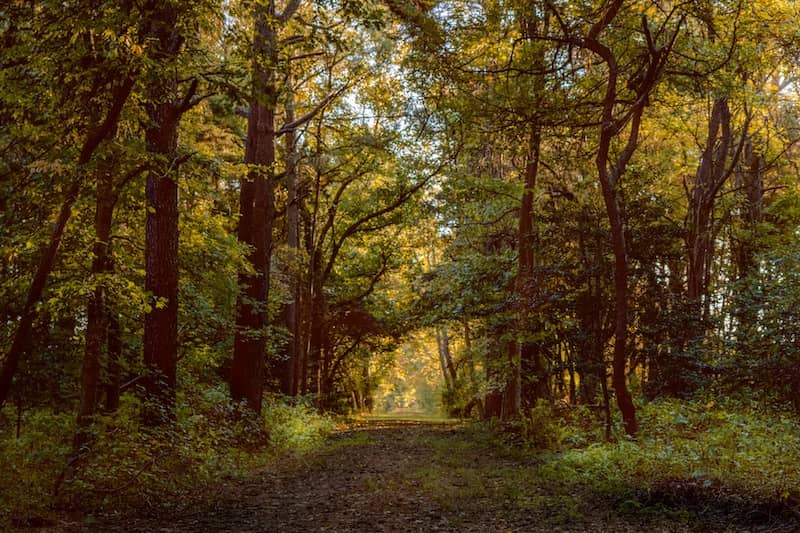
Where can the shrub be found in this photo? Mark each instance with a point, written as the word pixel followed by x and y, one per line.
pixel 537 428
pixel 126 464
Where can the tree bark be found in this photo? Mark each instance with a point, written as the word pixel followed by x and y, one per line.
pixel 712 173
pixel 440 350
pixel 609 176
pixel 531 360
pixel 448 356
pixel 161 223
pixel 752 185
pixel 257 215
pixel 290 370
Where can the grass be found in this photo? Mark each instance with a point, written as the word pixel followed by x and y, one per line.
pixel 695 464
pixel 411 416
pixel 127 465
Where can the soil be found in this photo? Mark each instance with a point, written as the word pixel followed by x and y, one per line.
pixel 395 476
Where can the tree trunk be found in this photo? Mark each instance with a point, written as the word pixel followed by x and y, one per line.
pixel 316 337
pixel 257 215
pixel 97 309
pixel 161 223
pixel 468 355
pixel 609 181
pixel 289 381
pixel 751 183
pixel 618 379
pixel 443 363
pixel 531 360
pixel 752 186
pixel 534 22
pixel 610 174
pixel 711 175
pixel 681 363
pixel 448 357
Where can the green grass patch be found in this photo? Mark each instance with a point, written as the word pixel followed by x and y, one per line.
pixel 748 454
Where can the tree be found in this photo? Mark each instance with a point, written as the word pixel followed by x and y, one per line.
pixel 107 86
pixel 164 107
pixel 257 204
pixel 610 170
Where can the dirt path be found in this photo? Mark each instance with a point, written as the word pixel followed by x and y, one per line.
pixel 399 477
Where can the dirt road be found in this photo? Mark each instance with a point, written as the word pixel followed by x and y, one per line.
pixel 395 476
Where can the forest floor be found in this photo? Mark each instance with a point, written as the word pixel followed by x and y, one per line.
pixel 407 475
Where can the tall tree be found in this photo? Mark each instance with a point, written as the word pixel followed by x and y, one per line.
pixel 615 118
pixel 107 87
pixel 257 204
pixel 164 108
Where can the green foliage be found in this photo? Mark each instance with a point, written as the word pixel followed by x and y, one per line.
pixel 765 355
pixel 723 452
pixel 32 462
pixel 296 427
pixel 538 427
pixel 126 464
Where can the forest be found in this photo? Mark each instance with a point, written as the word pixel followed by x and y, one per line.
pixel 558 234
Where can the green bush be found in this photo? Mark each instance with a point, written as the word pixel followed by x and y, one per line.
pixel 537 428
pixel 725 452
pixel 32 463
pixel 126 464
pixel 295 427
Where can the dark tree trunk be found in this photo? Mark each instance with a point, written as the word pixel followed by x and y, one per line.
pixel 679 368
pixel 532 361
pixel 257 209
pixel 711 175
pixel 161 260
pixel 164 112
pixel 752 186
pixel 97 310
pixel 316 338
pixel 468 355
pixel 448 382
pixel 22 336
pixel 609 174
pixel 113 383
pixel 289 371
pixel 448 356
pixel 751 183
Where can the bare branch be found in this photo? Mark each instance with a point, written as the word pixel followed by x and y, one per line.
pixel 293 125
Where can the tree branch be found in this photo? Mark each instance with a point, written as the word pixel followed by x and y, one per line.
pixel 293 125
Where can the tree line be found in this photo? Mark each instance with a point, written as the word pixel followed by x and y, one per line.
pixel 582 200
pixel 621 204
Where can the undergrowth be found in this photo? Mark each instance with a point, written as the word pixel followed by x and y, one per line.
pixel 126 464
pixel 685 452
